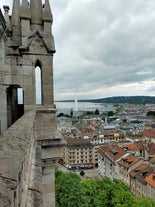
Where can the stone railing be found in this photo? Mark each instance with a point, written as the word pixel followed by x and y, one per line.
pixel 14 145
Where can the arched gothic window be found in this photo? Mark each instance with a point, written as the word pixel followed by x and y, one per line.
pixel 38 85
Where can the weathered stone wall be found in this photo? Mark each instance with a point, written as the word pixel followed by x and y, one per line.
pixel 51 150
pixel 32 145
pixel 13 145
pixel 29 150
pixel 3 105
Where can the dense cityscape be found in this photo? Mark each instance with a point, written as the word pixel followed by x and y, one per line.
pixel 101 154
pixel 118 144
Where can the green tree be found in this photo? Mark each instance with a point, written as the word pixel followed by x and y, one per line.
pixel 143 202
pixel 103 193
pixel 88 113
pixel 60 115
pixel 121 195
pixel 90 187
pixel 110 113
pixel 69 191
pixel 71 113
pixel 97 112
pixel 82 172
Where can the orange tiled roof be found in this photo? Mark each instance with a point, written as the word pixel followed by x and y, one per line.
pixel 138 169
pixel 149 133
pixel 128 161
pixel 112 152
pixel 132 146
pixel 105 132
pixel 151 148
pixel 131 106
pixel 151 180
pixel 73 141
pixel 93 124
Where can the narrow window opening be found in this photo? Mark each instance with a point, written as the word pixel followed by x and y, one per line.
pixel 20 95
pixel 38 85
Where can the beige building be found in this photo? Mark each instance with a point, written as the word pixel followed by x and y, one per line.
pixel 142 180
pixel 139 175
pixel 97 139
pixel 150 185
pixel 78 152
pixel 108 157
pixel 114 162
pixel 102 137
pixel 125 165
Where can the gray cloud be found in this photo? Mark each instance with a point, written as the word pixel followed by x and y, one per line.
pixel 103 48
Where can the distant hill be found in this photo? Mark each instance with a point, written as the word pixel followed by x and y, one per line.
pixel 120 99
pixel 127 99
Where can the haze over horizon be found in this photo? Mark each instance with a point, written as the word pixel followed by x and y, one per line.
pixel 103 49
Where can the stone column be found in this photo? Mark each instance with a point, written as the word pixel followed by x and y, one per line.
pixel 48 183
pixel 51 150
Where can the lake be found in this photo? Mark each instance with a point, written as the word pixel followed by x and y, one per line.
pixel 66 107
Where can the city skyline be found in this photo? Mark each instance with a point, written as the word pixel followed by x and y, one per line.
pixel 102 49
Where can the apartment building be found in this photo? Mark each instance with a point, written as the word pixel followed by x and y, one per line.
pixel 108 156
pixel 78 152
pixel 118 162
pixel 142 180
pixel 98 139
pixel 133 182
pixel 136 148
pixel 150 185
pixel 149 134
pixel 101 137
pixel 125 165
pixel 149 150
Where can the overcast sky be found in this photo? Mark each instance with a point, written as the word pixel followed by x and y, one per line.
pixel 103 48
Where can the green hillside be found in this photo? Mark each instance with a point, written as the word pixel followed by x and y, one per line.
pixel 127 99
pixel 119 99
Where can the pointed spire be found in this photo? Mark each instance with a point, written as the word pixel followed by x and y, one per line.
pixel 15 12
pixel 47 6
pixel 25 3
pixel 25 10
pixel 36 11
pixel 47 14
pixel 15 20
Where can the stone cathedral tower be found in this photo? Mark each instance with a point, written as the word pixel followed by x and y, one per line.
pixel 29 142
pixel 29 47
